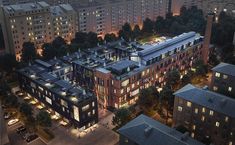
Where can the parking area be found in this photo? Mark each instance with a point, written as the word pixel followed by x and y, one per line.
pixel 16 139
pixel 99 135
pixel 64 133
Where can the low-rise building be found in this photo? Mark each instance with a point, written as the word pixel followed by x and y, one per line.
pixel 146 131
pixel 207 115
pixel 68 101
pixel 223 79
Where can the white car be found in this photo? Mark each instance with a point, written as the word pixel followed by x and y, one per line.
pixel 12 121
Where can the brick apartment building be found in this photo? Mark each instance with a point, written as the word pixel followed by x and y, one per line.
pixel 207 115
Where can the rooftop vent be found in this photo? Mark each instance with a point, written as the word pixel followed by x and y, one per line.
pixel 84 92
pixel 185 136
pixel 147 131
pixel 223 102
pixel 205 88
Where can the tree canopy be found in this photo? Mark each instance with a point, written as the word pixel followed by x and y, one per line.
pixel 121 117
pixel 29 52
pixel 43 119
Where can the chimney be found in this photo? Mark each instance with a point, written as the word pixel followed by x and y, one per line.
pixel 234 39
pixel 84 92
pixel 147 131
pixel 223 102
pixel 207 38
pixel 185 136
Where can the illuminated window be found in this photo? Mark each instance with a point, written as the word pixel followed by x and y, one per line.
pixel 229 89
pixel 63 103
pixel 48 100
pixel 230 143
pixel 143 73
pixel 203 110
pixel 76 113
pixel 217 124
pixel 180 108
pixel 189 104
pixel 93 111
pixel 196 110
pixel 93 104
pixel 226 119
pixel 217 75
pixel 192 135
pixel 86 107
pixel 225 76
pixel 211 112
pixel 133 85
pixel 203 118
pixel 114 91
pixel 122 91
pixel 194 127
pixel 215 88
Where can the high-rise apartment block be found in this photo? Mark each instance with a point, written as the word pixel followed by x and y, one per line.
pixel 207 115
pixel 37 22
pixel 215 6
pixel 110 15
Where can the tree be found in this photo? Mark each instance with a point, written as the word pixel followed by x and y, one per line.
pixel 201 68
pixel 186 79
pixel 58 42
pixel 2 44
pixel 43 119
pixel 110 37
pixel 29 52
pixel 148 98
pixel 148 26
pixel 26 110
pixel 92 39
pixel 126 32
pixel 49 51
pixel 136 31
pixel 80 37
pixel 8 62
pixel 159 25
pixel 173 77
pixel 121 117
pixel 168 99
pixel 11 101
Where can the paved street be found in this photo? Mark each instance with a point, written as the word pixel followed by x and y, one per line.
pixel 17 140
pixel 99 136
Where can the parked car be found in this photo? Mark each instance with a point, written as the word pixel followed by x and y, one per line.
pixel 12 121
pixel 20 129
pixel 31 137
pixel 7 115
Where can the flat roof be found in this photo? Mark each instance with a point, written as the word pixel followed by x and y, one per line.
pixel 209 99
pixel 144 130
pixel 26 6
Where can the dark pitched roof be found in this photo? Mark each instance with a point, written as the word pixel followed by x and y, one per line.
pixel 146 131
pixel 225 68
pixel 209 99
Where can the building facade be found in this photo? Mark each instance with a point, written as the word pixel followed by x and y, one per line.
pixel 118 84
pixel 223 79
pixel 109 16
pixel 36 22
pixel 206 115
pixel 207 6
pixel 145 131
pixel 68 101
